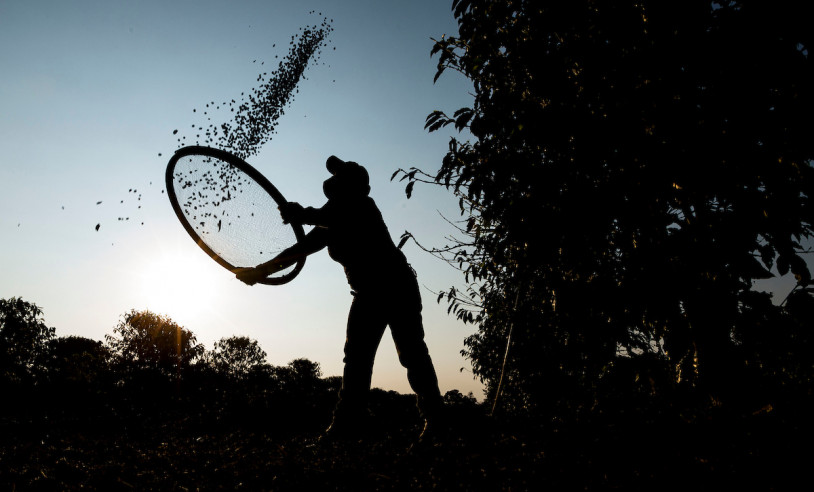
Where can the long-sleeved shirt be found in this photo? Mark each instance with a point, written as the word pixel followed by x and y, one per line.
pixel 357 238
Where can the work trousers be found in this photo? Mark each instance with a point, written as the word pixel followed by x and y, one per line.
pixel 397 304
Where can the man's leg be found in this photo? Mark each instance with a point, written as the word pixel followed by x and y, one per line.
pixel 408 334
pixel 366 326
pixel 415 357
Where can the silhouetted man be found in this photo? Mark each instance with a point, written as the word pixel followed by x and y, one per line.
pixel 384 287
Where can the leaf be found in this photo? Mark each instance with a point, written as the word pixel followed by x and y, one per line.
pixel 462 117
pixel 782 265
pixel 409 189
pixel 435 47
pixel 441 69
pixel 404 238
pixel 767 255
pixel 435 120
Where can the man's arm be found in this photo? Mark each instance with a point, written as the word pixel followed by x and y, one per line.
pixel 323 217
pixel 311 243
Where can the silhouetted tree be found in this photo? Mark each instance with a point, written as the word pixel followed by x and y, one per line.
pixel 455 398
pixel 634 166
pixel 24 340
pixel 237 356
pixel 300 375
pixel 147 341
pixel 77 360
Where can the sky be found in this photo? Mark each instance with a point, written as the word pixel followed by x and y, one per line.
pixel 90 94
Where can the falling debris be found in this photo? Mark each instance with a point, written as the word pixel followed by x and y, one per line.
pixel 243 125
pixel 253 119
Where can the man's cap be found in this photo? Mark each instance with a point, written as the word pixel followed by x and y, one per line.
pixel 347 170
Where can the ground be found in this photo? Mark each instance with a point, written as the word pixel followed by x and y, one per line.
pixel 172 447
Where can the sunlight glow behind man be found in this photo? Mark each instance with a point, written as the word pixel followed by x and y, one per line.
pixel 178 283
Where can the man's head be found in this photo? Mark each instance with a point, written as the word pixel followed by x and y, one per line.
pixel 349 179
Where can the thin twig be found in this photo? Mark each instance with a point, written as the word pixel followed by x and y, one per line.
pixel 505 356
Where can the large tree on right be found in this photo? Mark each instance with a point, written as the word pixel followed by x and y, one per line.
pixel 634 166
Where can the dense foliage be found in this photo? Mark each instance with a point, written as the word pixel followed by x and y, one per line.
pixel 24 339
pixel 633 168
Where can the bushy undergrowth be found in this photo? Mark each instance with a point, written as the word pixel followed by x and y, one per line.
pixel 212 433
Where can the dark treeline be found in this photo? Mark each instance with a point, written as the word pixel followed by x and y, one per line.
pixel 150 367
